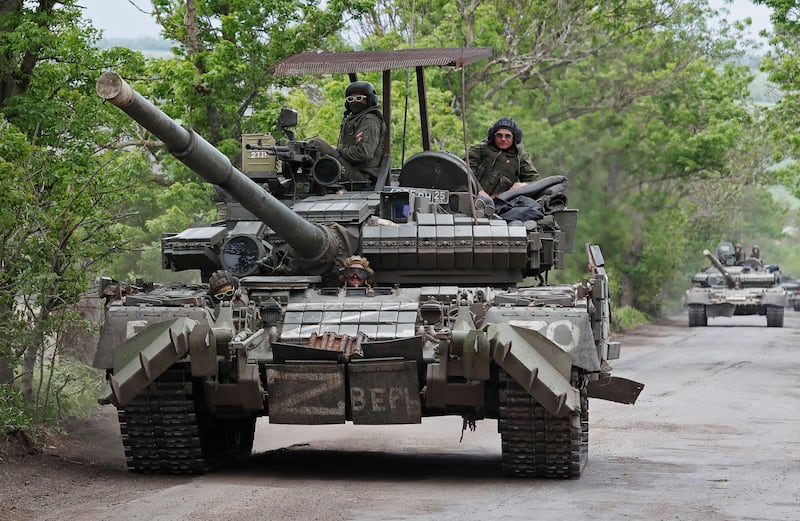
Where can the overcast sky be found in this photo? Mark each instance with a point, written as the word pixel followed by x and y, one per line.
pixel 131 18
pixel 122 18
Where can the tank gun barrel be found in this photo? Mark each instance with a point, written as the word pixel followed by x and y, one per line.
pixel 717 264
pixel 308 240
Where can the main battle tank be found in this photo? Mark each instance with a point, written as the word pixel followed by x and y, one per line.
pixel 744 288
pixel 792 288
pixel 446 328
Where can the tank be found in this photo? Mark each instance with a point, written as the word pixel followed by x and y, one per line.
pixel 747 287
pixel 792 287
pixel 447 325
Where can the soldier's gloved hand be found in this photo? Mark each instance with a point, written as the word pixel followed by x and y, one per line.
pixel 222 284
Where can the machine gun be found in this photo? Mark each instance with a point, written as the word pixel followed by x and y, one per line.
pixel 301 161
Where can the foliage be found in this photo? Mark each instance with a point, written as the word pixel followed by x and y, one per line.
pixel 781 64
pixel 73 391
pixel 13 411
pixel 60 200
pixel 627 318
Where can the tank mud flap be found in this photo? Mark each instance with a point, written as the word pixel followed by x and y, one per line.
pixel 306 393
pixel 536 363
pixel 143 358
pixel 615 389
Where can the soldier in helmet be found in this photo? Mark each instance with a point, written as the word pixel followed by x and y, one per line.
pixel 500 163
pixel 360 145
pixel 755 252
pixel 738 254
pixel 222 286
pixel 356 273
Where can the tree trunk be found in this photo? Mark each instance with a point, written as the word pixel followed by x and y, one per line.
pixel 632 257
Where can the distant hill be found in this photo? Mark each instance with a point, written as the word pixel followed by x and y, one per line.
pixel 151 47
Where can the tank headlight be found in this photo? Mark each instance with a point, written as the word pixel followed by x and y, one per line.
pixel 240 255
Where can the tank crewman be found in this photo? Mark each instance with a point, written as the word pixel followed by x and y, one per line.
pixel 356 272
pixel 738 254
pixel 500 163
pixel 755 252
pixel 360 145
pixel 222 286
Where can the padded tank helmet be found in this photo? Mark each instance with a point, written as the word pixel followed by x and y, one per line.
pixel 364 87
pixel 356 259
pixel 509 123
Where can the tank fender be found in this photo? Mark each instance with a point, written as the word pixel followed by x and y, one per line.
pixel 569 328
pixel 615 389
pixel 536 363
pixel 123 322
pixel 697 296
pixel 774 299
pixel 146 356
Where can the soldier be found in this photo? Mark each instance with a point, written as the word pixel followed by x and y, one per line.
pixel 360 145
pixel 355 272
pixel 500 163
pixel 738 253
pixel 222 286
pixel 755 252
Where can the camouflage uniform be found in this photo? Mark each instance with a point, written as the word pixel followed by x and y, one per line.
pixel 361 143
pixel 497 170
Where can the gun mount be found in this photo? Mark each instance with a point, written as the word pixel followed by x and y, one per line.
pixel 445 327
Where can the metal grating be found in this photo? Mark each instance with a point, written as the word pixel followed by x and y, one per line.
pixel 316 63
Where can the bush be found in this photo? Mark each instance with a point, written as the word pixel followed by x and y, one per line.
pixel 627 318
pixel 13 413
pixel 74 389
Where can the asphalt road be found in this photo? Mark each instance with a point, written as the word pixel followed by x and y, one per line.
pixel 715 435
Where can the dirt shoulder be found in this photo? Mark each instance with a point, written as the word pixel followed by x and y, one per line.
pixel 71 469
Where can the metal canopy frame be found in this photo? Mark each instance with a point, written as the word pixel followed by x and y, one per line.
pixel 354 62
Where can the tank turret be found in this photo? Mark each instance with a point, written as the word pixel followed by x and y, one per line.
pixel 423 229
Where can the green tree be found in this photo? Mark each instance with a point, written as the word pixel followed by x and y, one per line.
pixel 60 199
pixel 634 101
pixel 781 65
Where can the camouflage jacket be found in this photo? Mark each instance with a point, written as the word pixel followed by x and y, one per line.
pixel 361 142
pixel 497 170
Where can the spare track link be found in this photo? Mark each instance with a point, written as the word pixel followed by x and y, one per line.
pixel 159 427
pixel 534 442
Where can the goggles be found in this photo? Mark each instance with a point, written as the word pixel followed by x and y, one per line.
pixel 503 135
pixel 359 98
pixel 224 294
pixel 361 273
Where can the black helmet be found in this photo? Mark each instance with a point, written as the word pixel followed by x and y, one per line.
pixel 364 87
pixel 509 123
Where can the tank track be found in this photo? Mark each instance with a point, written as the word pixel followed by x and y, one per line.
pixel 160 430
pixel 534 442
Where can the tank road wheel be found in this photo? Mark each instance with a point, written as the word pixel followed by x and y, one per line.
pixel 697 315
pixel 774 316
pixel 536 443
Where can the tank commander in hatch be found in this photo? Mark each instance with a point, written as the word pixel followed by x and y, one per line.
pixel 755 252
pixel 500 163
pixel 360 145
pixel 356 273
